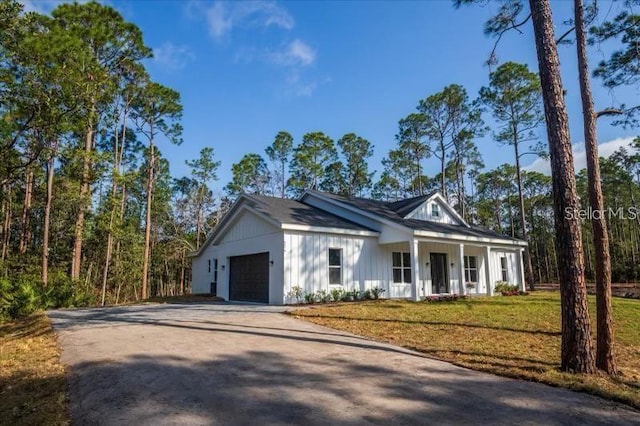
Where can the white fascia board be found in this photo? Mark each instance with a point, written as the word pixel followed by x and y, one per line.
pixel 462 238
pixel 326 230
pixel 355 210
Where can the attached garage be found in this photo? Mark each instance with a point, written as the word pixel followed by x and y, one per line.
pixel 249 278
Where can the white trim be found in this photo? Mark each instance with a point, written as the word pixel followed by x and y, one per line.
pixel 454 238
pixel 327 230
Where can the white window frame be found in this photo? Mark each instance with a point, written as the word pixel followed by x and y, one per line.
pixel 468 269
pixel 504 269
pixel 435 210
pixel 402 268
pixel 333 267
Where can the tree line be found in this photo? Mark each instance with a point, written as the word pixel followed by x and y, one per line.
pixel 89 211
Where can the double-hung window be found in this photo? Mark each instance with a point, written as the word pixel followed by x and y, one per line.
pixel 503 269
pixel 470 269
pixel 401 265
pixel 435 210
pixel 335 266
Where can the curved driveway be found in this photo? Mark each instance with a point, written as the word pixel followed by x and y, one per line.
pixel 232 364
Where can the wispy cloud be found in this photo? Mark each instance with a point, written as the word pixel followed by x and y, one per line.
pixel 40 6
pixel 605 149
pixel 296 53
pixel 172 57
pixel 223 18
pixel 294 56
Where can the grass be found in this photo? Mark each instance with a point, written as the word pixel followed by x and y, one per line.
pixel 515 336
pixel 33 387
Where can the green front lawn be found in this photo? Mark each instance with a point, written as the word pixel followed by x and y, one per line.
pixel 515 336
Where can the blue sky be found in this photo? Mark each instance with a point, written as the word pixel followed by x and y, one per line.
pixel 247 70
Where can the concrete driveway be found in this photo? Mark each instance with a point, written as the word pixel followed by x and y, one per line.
pixel 238 364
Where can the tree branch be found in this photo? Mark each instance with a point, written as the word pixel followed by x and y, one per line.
pixel 513 26
pixel 608 112
pixel 565 35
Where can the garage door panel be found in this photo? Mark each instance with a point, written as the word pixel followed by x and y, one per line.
pixel 249 278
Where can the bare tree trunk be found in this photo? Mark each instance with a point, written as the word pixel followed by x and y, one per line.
pixel 577 353
pixel 25 231
pixel 147 229
pixel 84 192
pixel 605 359
pixel 47 218
pixel 6 225
pixel 523 222
pixel 117 156
pixel 443 181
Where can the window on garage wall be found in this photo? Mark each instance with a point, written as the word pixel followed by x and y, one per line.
pixel 401 265
pixel 335 266
pixel 214 282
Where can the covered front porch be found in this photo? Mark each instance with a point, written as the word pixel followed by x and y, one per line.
pixel 452 268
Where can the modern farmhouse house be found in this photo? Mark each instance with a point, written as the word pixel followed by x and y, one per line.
pixel 413 248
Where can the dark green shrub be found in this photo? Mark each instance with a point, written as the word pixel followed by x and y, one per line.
pixel 27 299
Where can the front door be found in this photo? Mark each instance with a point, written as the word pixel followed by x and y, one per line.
pixel 439 273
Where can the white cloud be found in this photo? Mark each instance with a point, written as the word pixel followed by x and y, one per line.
pixel 296 53
pixel 605 149
pixel 172 57
pixel 223 17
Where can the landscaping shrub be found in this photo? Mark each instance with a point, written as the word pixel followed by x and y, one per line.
pixel 323 296
pixel 310 298
pixel 296 293
pixel 376 292
pixel 337 294
pixel 445 298
pixel 506 289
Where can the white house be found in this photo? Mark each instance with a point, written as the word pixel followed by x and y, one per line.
pixel 412 248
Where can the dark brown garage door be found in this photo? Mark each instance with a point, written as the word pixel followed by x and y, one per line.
pixel 249 278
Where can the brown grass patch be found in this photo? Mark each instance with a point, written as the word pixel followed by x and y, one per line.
pixel 33 387
pixel 517 337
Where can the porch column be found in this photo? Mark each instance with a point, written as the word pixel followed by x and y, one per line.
pixel 415 269
pixel 520 255
pixel 461 280
pixel 487 270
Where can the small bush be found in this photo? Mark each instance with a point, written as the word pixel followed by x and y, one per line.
pixel 445 298
pixel 296 293
pixel 323 296
pixel 337 294
pixel 366 295
pixel 310 298
pixel 506 289
pixel 376 292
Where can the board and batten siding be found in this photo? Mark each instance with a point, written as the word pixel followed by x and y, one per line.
pixel 513 275
pixel 423 212
pixel 365 263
